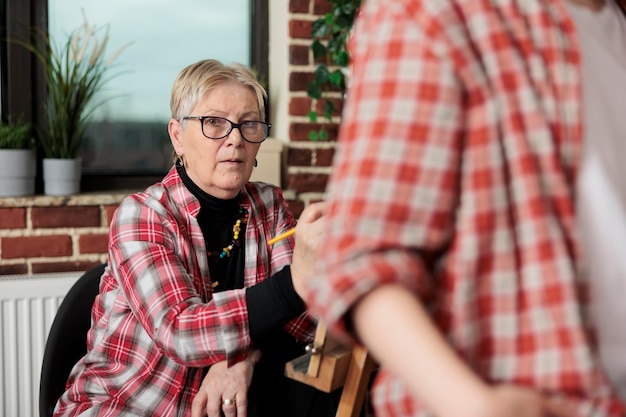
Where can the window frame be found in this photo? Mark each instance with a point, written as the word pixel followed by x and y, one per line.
pixel 22 83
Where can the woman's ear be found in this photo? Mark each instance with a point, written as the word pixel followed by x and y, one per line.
pixel 175 129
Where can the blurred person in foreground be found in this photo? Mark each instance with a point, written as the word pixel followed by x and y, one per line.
pixel 453 250
pixel 197 315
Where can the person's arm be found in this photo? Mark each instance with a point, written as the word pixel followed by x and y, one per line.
pixel 413 349
pixel 272 304
pixel 276 301
pixel 154 263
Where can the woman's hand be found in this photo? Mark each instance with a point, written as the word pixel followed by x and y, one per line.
pixel 309 242
pixel 224 390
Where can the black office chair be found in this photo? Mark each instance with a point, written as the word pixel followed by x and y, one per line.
pixel 66 342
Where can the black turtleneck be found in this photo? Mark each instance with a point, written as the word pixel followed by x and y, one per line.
pixel 216 219
pixel 271 303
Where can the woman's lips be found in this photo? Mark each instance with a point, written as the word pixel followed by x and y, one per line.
pixel 232 161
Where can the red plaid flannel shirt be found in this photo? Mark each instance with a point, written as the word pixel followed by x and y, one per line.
pixel 157 323
pixel 454 176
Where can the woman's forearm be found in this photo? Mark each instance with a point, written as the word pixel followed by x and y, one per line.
pixel 397 330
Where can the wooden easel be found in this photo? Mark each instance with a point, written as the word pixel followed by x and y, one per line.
pixel 329 365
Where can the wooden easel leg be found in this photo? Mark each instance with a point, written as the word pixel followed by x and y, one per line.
pixel 355 386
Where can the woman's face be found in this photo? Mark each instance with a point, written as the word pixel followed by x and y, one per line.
pixel 219 167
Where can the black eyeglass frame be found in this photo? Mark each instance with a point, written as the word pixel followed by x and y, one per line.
pixel 233 125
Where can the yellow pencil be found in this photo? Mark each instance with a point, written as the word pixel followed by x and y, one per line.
pixel 281 236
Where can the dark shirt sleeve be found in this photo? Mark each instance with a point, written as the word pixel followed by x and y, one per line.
pixel 272 304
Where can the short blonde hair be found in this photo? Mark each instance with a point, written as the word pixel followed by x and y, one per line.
pixel 194 81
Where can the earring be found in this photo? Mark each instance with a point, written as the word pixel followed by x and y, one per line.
pixel 180 162
pixel 256 163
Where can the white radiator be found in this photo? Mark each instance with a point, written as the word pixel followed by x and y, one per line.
pixel 27 307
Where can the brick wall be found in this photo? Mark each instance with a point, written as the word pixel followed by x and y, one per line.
pixel 45 234
pixel 51 234
pixel 308 163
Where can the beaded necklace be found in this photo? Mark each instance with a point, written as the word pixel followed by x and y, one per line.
pixel 236 241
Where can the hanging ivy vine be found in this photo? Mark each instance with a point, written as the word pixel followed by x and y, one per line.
pixel 329 34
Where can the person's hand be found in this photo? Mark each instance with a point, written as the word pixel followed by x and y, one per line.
pixel 309 243
pixel 515 401
pixel 224 390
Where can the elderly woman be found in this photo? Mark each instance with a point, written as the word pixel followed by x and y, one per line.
pixel 197 314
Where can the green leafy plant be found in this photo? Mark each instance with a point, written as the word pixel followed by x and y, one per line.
pixel 329 34
pixel 74 72
pixel 16 135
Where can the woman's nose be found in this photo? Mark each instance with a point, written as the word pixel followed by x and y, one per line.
pixel 235 137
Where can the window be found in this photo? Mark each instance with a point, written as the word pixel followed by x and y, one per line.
pixel 127 144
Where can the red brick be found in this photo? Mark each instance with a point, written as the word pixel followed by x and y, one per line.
pixel 321 7
pixel 299 132
pixel 323 59
pixel 93 243
pixel 8 269
pixel 44 267
pixel 337 103
pixel 299 157
pixel 298 81
pixel 12 218
pixel 69 216
pixel 296 207
pixel 300 29
pixel 299 106
pixel 299 6
pixel 36 246
pixel 332 130
pixel 299 54
pixel 109 211
pixel 324 157
pixel 307 182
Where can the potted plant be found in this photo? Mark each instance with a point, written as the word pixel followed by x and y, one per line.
pixel 17 159
pixel 330 34
pixel 74 72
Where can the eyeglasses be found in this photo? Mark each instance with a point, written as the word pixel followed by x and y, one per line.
pixel 252 131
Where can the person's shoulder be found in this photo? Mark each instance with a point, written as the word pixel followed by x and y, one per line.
pixel 154 192
pixel 165 196
pixel 260 187
pixel 135 206
pixel 409 9
pixel 264 193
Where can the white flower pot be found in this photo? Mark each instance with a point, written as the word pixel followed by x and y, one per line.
pixel 61 176
pixel 17 172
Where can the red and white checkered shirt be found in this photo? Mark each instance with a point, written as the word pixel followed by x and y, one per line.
pixel 157 323
pixel 454 176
